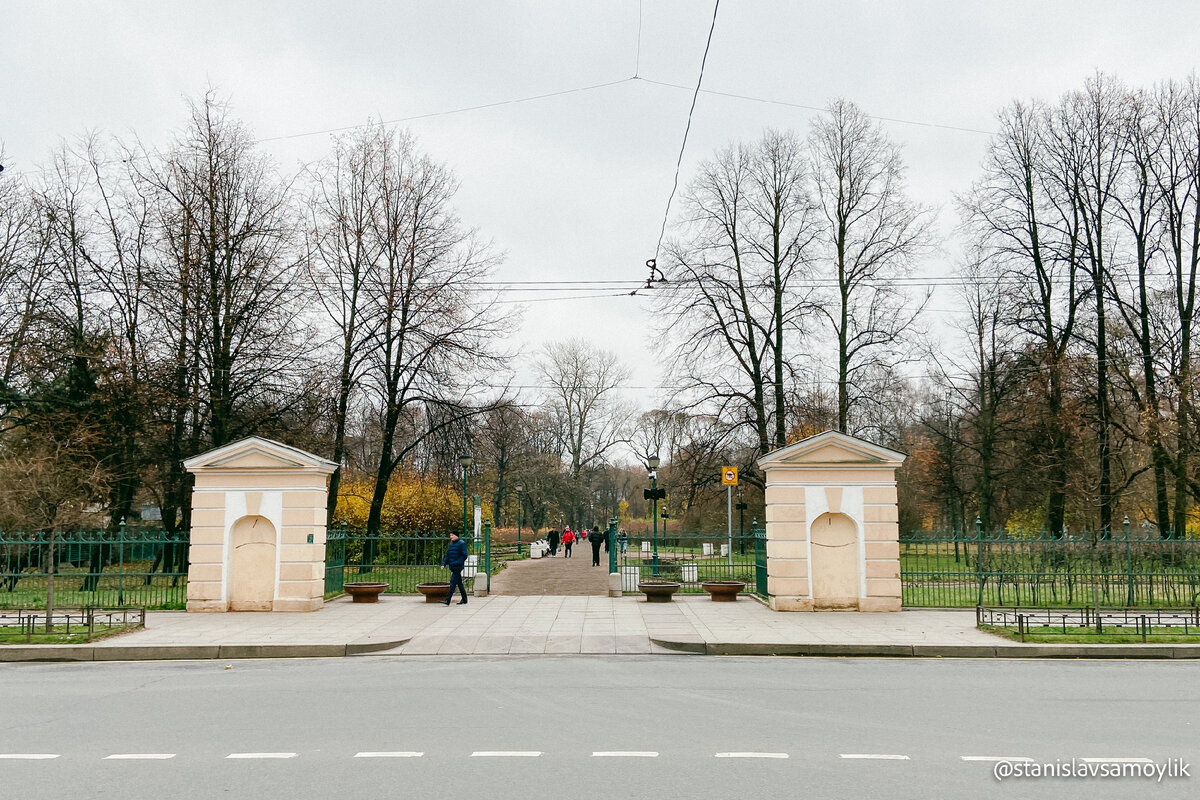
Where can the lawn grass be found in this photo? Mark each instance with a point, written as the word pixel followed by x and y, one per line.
pixel 58 634
pixel 112 590
pixel 1079 635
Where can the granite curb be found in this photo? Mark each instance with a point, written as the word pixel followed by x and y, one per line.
pixel 1115 651
pixel 61 653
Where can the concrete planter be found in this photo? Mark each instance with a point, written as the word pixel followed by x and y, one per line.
pixel 658 591
pixel 365 591
pixel 435 592
pixel 723 591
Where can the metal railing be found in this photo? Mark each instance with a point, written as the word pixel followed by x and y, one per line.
pixel 996 569
pixel 1143 623
pixel 87 622
pixel 688 558
pixel 405 560
pixel 130 567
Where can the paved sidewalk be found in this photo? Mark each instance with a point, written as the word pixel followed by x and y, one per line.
pixel 405 625
pixel 559 576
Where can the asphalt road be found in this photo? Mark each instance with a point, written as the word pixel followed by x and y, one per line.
pixel 664 726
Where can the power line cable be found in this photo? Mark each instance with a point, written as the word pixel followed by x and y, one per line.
pixel 463 110
pixel 637 64
pixel 683 146
pixel 769 101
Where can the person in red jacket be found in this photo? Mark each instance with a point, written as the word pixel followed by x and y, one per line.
pixel 568 539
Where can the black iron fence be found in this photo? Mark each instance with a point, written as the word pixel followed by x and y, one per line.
pixel 1137 623
pixel 690 559
pixel 132 566
pixel 996 569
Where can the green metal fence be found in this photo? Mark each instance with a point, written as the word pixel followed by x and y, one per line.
pixel 130 567
pixel 994 569
pixel 405 560
pixel 691 559
pixel 400 560
pixel 760 561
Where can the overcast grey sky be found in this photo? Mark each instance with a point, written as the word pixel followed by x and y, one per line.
pixel 573 187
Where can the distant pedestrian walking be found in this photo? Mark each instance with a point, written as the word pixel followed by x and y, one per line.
pixel 456 558
pixel 568 540
pixel 552 539
pixel 623 541
pixel 595 540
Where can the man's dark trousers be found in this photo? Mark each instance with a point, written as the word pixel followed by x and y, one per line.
pixel 456 580
pixel 596 551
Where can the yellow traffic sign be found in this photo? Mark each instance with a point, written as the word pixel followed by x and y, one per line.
pixel 729 476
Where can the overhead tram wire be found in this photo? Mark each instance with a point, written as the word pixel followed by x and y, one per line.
pixel 818 109
pixel 683 145
pixel 413 118
pixel 482 106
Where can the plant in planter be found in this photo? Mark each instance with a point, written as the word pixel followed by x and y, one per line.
pixel 723 591
pixel 434 591
pixel 365 591
pixel 658 591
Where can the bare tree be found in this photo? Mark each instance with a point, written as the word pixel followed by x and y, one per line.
pixel 431 329
pixel 736 304
pixel 872 233
pixel 342 253
pixel 1137 211
pixel 235 257
pixel 977 424
pixel 590 418
pixel 1084 142
pixel 1030 233
pixel 22 281
pixel 1175 169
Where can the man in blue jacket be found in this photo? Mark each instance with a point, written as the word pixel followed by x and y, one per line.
pixel 456 558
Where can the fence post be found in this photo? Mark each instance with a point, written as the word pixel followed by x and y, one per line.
pixel 979 556
pixel 120 564
pixel 1128 565
pixel 612 545
pixel 487 551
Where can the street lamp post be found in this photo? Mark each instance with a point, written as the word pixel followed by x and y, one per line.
pixel 741 508
pixel 520 488
pixel 652 464
pixel 465 462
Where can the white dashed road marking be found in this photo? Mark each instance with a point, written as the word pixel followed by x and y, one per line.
pixel 139 756
pixel 397 754
pixel 624 754
pixel 751 755
pixel 506 754
pixel 995 758
pixel 261 755
pixel 29 756
pixel 876 756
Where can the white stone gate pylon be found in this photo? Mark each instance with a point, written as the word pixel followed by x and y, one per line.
pixel 257 540
pixel 832 525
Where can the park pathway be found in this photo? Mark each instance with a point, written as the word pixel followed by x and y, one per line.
pixel 574 576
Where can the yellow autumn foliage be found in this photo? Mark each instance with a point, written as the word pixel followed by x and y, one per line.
pixel 412 505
